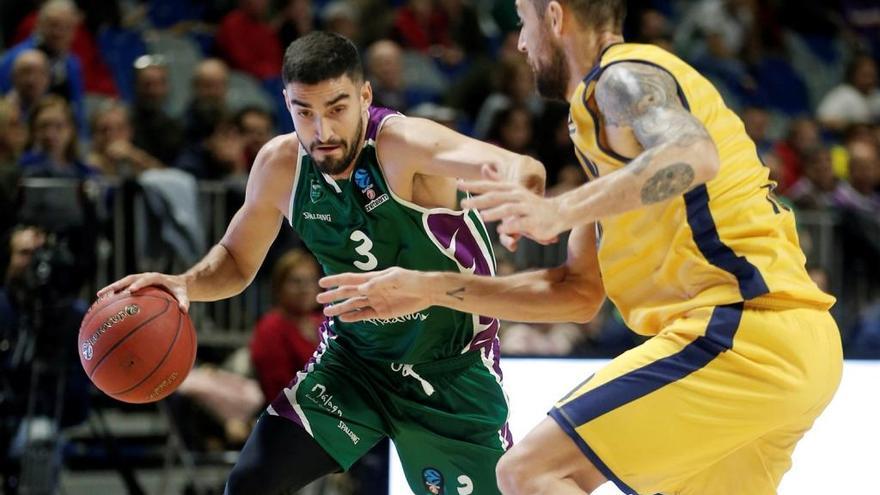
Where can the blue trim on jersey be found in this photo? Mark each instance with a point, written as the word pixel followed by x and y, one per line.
pixel 651 377
pixel 591 167
pixel 567 427
pixel 751 283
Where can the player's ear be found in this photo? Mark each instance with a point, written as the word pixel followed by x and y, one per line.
pixel 555 14
pixel 366 94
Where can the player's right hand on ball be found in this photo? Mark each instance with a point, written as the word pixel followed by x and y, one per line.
pixel 175 284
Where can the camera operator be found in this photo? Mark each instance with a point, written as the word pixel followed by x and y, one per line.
pixel 43 388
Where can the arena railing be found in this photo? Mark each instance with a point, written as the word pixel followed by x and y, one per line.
pixel 116 205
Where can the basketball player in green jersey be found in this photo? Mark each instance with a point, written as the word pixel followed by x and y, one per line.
pixel 367 189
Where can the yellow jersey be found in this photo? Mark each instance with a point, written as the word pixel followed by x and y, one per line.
pixel 723 242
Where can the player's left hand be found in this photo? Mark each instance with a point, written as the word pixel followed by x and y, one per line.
pixel 384 294
pixel 520 211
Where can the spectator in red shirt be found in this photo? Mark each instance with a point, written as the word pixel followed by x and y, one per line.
pixel 248 42
pixel 285 338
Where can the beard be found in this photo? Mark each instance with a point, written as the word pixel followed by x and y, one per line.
pixel 335 166
pixel 551 78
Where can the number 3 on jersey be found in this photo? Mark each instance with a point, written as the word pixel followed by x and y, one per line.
pixel 364 250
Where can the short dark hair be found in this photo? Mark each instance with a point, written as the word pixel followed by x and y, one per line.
pixel 248 110
pixel 599 13
pixel 319 56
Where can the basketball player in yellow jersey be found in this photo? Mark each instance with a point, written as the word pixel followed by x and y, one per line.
pixel 677 225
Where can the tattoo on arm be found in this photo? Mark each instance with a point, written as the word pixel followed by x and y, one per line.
pixel 456 293
pixel 645 99
pixel 667 183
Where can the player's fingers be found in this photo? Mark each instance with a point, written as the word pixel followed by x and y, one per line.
pixel 509 242
pixel 491 199
pixel 337 294
pixel 502 212
pixel 344 279
pixel 182 300
pixel 148 279
pixel 483 186
pixel 362 314
pixel 117 286
pixel 346 306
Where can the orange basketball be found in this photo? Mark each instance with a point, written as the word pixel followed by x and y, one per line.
pixel 137 347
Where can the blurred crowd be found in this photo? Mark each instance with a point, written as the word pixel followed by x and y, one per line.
pixel 160 97
pixel 119 117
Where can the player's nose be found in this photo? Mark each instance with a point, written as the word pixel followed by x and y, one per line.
pixel 325 131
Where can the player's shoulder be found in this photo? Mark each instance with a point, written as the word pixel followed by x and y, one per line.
pixel 280 148
pixel 627 89
pixel 278 155
pixel 400 134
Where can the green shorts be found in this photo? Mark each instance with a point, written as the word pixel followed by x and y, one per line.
pixel 447 418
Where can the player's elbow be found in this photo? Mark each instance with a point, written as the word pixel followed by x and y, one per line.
pixel 586 297
pixel 709 160
pixel 586 310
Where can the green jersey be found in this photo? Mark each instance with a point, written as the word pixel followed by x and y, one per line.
pixel 360 225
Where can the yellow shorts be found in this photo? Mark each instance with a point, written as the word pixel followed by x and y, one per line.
pixel 713 405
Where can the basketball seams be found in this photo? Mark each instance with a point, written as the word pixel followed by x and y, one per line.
pixel 158 365
pixel 129 334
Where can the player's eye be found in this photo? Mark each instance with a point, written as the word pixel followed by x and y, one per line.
pixel 304 113
pixel 338 110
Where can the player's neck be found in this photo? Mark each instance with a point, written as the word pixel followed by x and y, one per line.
pixel 585 52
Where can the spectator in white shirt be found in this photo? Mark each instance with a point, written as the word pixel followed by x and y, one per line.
pixel 856 101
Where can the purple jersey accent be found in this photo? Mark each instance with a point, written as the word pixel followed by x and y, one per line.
pixel 376 116
pixel 508 436
pixel 453 233
pixel 282 404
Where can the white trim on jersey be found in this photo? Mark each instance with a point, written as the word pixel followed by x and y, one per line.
pixel 301 153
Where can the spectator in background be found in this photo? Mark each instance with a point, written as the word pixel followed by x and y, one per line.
pixel 422 26
pixel 296 19
pixel 221 154
pixel 819 189
pixel 803 137
pixel 384 68
pixel 864 175
pixel 464 27
pixel 210 84
pixel 652 25
pixel 248 43
pixel 512 130
pixel 712 35
pixel 52 144
pixel 285 338
pixel 756 121
pixel 515 85
pixel 101 13
pixel 255 127
pixel 113 152
pixel 342 17
pixel 13 137
pixel 56 24
pixel 30 79
pixel 856 100
pixel 155 131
